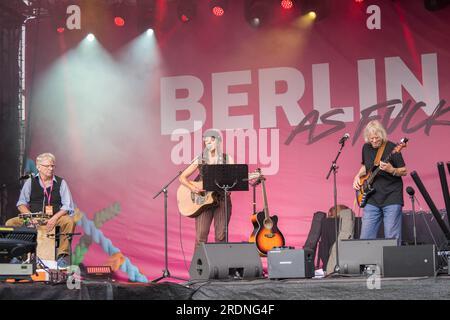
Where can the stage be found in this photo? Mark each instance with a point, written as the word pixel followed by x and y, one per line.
pixel 334 288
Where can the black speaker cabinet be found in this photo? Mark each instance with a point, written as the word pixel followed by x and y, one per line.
pixel 356 255
pixel 225 260
pixel 290 263
pixel 410 261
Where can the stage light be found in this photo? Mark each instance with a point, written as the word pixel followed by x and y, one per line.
pixel 359 1
pixel 316 10
pixel 312 15
pixel 119 21
pixel 218 11
pixel 150 32
pixel 255 22
pixel 257 12
pixel 96 272
pixel 286 4
pixel 145 16
pixel 90 37
pixel 187 10
pixel 218 7
pixel 58 15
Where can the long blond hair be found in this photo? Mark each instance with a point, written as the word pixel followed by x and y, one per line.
pixel 376 128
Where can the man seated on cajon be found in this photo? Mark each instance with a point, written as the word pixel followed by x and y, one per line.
pixel 50 194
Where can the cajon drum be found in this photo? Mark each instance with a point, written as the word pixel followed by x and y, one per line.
pixel 45 245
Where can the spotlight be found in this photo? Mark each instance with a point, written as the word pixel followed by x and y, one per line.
pixel 120 12
pixel 119 21
pixel 257 12
pixel 218 7
pixel 150 32
pixel 90 37
pixel 186 10
pixel 145 16
pixel 58 15
pixel 316 10
pixel 286 4
pixel 218 11
pixel 255 22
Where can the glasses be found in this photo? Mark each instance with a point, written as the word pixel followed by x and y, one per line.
pixel 47 165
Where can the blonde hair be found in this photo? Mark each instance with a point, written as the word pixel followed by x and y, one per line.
pixel 376 128
pixel 44 156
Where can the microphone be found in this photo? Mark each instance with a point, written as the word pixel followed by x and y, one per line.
pixel 344 138
pixel 410 191
pixel 26 176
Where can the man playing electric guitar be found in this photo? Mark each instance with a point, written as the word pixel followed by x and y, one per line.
pixel 385 204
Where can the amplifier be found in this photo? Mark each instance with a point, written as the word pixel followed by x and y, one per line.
pixel 358 255
pixel 16 270
pixel 289 263
pixel 410 261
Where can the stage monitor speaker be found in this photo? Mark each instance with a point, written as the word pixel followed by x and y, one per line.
pixel 225 261
pixel 289 263
pixel 358 255
pixel 410 261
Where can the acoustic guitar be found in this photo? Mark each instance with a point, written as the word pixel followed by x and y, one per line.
pixel 191 204
pixel 265 233
pixel 366 181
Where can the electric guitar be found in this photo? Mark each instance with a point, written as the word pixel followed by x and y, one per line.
pixel 366 181
pixel 191 204
pixel 265 233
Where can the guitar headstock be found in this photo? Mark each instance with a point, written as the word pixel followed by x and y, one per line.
pixel 402 144
pixel 257 174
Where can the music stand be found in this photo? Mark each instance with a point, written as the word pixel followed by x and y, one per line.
pixel 225 178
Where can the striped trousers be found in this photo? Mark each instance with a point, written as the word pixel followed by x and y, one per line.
pixel 204 220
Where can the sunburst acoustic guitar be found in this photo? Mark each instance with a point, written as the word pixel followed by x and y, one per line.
pixel 266 234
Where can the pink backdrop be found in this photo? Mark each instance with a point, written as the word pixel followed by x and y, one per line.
pixel 112 112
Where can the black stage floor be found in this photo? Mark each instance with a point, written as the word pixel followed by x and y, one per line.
pixel 342 288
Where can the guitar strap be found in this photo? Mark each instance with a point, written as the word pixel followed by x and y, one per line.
pixel 380 151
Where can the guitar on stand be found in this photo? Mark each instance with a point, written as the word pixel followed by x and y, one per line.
pixel 266 234
pixel 366 181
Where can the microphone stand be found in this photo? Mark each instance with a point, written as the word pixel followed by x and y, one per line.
pixel 225 189
pixel 333 169
pixel 164 189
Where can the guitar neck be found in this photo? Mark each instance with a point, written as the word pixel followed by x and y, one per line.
pixel 266 207
pixel 375 172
